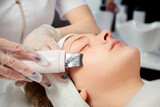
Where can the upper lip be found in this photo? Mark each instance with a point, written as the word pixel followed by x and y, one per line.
pixel 114 43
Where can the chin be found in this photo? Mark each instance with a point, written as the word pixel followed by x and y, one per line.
pixel 133 57
pixel 134 52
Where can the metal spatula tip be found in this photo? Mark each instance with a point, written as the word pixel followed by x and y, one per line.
pixel 73 60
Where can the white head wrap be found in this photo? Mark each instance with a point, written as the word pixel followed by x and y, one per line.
pixel 64 94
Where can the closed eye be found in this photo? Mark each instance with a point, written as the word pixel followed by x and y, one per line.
pixel 84 47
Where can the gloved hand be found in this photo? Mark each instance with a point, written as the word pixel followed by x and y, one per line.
pixel 44 38
pixel 13 69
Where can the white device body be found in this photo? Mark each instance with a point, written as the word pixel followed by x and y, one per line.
pixel 56 59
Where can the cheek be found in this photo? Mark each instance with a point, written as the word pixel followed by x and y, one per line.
pixel 94 66
pixel 105 62
pixel 100 64
pixel 97 59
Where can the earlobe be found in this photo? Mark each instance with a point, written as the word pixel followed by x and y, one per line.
pixel 83 94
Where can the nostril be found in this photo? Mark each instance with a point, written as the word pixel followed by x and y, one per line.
pixel 105 37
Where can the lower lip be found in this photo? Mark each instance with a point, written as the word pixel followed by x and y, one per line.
pixel 114 43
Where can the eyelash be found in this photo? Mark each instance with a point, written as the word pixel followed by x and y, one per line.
pixel 83 47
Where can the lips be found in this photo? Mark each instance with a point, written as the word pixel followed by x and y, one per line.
pixel 114 43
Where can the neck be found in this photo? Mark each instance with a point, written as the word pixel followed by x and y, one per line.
pixel 116 96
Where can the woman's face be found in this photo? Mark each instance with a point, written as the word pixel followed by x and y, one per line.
pixel 104 59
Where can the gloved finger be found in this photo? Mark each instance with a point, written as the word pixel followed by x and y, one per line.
pixel 19 83
pixel 53 45
pixel 61 76
pixel 38 46
pixel 10 74
pixel 45 48
pixel 45 81
pixel 17 49
pixel 6 78
pixel 3 77
pixel 20 67
pixel 50 46
pixel 31 55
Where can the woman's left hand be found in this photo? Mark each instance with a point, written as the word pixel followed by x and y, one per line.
pixel 43 38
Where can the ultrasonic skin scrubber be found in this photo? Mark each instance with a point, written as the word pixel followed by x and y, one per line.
pixel 57 60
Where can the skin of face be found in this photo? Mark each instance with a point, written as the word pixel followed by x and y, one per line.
pixel 105 66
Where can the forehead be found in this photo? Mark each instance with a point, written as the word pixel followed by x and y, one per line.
pixel 73 38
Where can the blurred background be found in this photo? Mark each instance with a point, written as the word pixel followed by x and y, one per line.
pixel 134 22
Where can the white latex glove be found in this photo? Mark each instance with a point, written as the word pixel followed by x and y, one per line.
pixel 10 66
pixel 44 38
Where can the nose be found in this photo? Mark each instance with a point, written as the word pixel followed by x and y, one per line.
pixel 104 36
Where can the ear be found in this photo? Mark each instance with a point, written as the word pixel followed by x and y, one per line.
pixel 83 94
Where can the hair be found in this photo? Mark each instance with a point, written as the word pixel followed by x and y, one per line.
pixel 36 94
